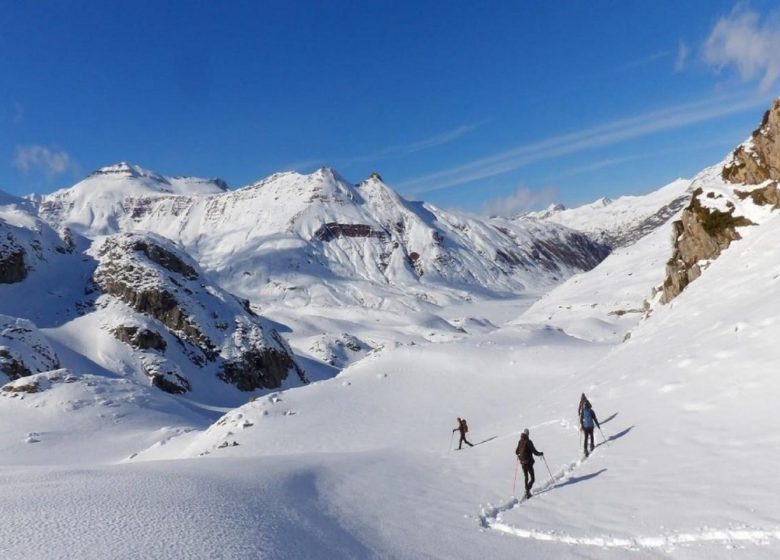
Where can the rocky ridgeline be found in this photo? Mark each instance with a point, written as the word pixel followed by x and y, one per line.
pixel 159 281
pixel 758 159
pixel 709 223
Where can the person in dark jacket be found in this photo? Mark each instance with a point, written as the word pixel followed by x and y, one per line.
pixel 525 454
pixel 587 422
pixel 463 428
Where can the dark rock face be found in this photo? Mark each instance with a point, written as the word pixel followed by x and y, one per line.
pixel 12 367
pixel 333 230
pixel 701 233
pixel 758 160
pixel 218 332
pixel 166 378
pixel 142 339
pixel 12 268
pixel 164 258
pixel 258 369
pixel 142 289
pixel 769 195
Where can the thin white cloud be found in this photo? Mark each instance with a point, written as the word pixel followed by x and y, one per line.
pixel 683 52
pixel 595 137
pixel 419 145
pixel 749 42
pixel 50 161
pixel 391 152
pixel 523 199
pixel 601 164
pixel 644 60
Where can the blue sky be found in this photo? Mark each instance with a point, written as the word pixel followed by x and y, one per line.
pixel 484 106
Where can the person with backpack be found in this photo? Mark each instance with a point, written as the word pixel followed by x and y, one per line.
pixel 463 428
pixel 587 422
pixel 525 454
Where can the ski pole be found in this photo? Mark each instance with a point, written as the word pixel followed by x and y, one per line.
pixel 548 469
pixel 514 481
pixel 604 437
pixel 452 436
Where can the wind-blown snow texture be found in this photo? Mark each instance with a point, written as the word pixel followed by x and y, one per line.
pixel 359 464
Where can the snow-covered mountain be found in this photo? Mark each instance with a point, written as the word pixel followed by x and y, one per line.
pixel 623 221
pixel 317 238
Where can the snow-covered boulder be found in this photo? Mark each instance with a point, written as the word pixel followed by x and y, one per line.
pixel 172 299
pixel 339 350
pixel 23 349
pixel 38 382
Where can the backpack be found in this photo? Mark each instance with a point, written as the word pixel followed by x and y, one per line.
pixel 522 451
pixel 464 426
pixel 587 418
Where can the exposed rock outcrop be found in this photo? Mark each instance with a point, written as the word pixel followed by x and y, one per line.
pixel 152 290
pixel 758 159
pixel 140 338
pixel 717 207
pixel 12 268
pixel 701 234
pixel 158 280
pixel 37 383
pixel 23 349
pixel 333 230
pixel 26 241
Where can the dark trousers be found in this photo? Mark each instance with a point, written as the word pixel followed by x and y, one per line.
pixel 528 475
pixel 464 440
pixel 588 434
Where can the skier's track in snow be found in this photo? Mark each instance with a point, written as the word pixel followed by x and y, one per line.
pixel 490 518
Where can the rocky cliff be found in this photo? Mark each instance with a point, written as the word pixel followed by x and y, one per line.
pixel 758 159
pixel 721 204
pixel 177 306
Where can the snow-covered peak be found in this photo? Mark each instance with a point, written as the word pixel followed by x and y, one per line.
pixel 127 171
pixel 544 214
pixel 98 203
pixel 601 202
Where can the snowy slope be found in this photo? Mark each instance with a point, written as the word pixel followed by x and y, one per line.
pixel 624 220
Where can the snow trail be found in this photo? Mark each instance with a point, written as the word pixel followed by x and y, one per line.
pixel 491 518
